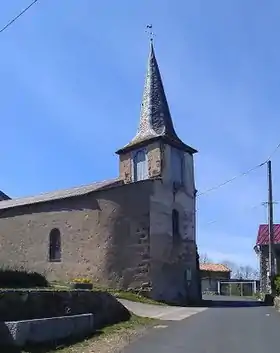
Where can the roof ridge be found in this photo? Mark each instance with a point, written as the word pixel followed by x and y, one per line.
pixel 59 194
pixel 214 263
pixel 214 267
pixel 266 225
pixel 4 196
pixel 62 190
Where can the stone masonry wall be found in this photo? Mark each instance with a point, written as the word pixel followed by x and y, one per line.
pixel 154 159
pixel 125 167
pixel 154 163
pixel 173 267
pixel 264 267
pixel 105 236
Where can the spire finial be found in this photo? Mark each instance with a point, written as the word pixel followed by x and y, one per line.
pixel 149 30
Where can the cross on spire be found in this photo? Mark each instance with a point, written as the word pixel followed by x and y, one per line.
pixel 149 30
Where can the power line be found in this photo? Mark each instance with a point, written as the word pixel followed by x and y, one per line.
pixel 272 153
pixel 240 175
pixel 15 18
pixel 232 179
pixel 244 211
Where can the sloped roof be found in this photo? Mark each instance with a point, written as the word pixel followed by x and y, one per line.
pixel 214 267
pixel 60 194
pixel 4 196
pixel 262 238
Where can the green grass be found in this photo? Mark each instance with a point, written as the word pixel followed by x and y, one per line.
pixel 121 294
pixel 134 297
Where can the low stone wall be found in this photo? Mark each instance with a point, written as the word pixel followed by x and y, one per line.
pixel 16 305
pixel 277 303
pixel 52 329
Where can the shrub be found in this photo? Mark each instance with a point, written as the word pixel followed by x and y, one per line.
pixel 81 280
pixel 277 284
pixel 11 278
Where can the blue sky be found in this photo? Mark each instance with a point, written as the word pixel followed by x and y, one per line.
pixel 72 75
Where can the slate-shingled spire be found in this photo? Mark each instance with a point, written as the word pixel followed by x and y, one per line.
pixel 155 118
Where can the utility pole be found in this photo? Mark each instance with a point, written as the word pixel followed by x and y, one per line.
pixel 270 226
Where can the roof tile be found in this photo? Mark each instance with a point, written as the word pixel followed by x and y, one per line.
pixel 262 238
pixel 214 267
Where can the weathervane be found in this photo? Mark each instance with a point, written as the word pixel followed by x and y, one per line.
pixel 149 30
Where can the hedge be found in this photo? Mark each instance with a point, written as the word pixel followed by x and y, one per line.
pixel 277 284
pixel 11 278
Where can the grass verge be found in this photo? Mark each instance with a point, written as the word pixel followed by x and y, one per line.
pixel 134 297
pixel 117 293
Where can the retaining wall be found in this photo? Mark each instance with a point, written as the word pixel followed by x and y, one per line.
pixel 16 305
pixel 45 330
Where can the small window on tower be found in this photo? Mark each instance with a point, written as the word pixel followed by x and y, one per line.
pixel 140 165
pixel 178 166
pixel 55 246
pixel 175 226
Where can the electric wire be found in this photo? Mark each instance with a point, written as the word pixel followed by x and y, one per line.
pixel 240 175
pixel 232 179
pixel 273 152
pixel 17 17
pixel 243 211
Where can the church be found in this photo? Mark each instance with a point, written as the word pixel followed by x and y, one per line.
pixel 136 230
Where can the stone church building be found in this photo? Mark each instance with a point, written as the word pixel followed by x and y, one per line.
pixel 138 229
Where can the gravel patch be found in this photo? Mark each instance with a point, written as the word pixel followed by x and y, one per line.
pixel 115 343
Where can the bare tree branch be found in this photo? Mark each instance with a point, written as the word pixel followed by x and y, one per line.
pixel 242 272
pixel 204 259
pixel 237 271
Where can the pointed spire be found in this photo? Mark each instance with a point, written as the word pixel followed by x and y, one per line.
pixel 155 117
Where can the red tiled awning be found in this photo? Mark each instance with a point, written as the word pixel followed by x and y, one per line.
pixel 262 238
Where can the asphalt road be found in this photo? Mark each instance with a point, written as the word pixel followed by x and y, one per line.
pixel 161 312
pixel 228 326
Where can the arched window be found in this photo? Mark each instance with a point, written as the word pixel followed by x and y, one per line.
pixel 175 226
pixel 55 246
pixel 140 166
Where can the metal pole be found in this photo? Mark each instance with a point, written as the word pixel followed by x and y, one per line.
pixel 270 225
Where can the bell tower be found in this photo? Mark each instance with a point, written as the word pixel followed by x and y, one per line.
pixel 146 155
pixel 156 152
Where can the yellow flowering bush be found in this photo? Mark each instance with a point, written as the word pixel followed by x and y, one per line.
pixel 81 280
